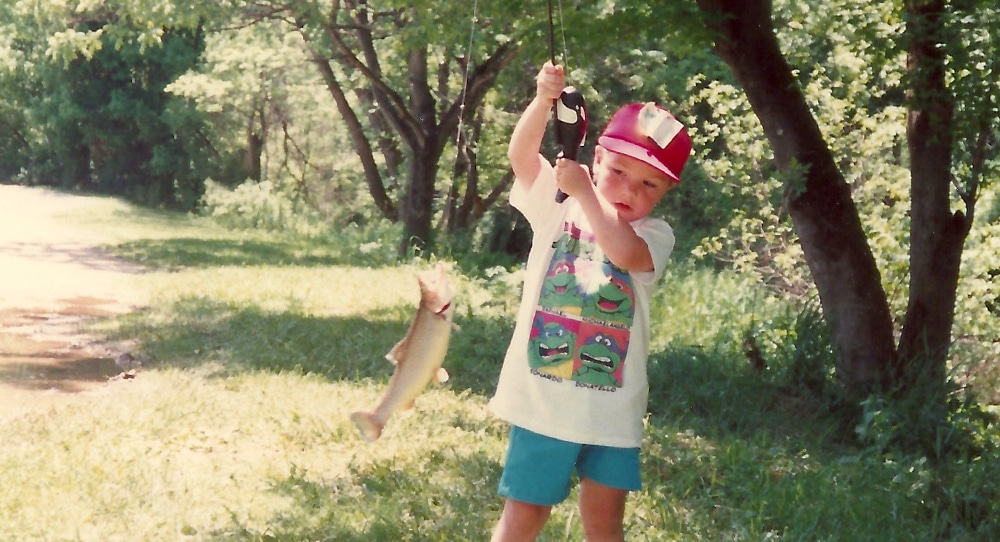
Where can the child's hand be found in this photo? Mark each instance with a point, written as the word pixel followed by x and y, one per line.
pixel 572 177
pixel 549 82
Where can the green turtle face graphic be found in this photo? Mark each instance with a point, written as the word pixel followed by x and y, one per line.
pixel 599 358
pixel 552 346
pixel 560 287
pixel 612 302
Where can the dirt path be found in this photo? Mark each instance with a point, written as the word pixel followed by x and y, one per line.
pixel 53 279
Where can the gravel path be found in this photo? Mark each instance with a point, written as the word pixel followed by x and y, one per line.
pixel 53 279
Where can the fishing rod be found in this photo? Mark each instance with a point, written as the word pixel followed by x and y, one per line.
pixel 570 112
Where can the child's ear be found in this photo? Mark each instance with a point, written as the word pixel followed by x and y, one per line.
pixel 598 154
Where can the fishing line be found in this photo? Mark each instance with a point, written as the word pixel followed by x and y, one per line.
pixel 562 32
pixel 468 65
pixel 552 38
pixel 569 113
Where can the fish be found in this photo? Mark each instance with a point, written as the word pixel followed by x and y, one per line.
pixel 418 356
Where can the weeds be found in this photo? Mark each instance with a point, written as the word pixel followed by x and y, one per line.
pixel 260 347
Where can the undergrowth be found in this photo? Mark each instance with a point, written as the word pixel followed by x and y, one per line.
pixel 259 346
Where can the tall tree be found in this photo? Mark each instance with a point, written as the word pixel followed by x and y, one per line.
pixel 402 89
pixel 94 113
pixel 121 124
pixel 824 215
pixel 404 76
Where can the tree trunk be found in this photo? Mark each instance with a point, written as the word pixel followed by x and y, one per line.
pixel 418 205
pixel 252 156
pixel 462 215
pixel 422 130
pixel 818 199
pixel 373 96
pixel 360 141
pixel 936 235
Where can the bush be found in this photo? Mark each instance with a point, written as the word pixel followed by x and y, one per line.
pixel 257 205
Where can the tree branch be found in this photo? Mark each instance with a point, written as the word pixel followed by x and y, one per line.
pixel 361 144
pixel 396 109
pixel 479 83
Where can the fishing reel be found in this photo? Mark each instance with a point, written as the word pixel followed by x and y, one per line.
pixel 571 127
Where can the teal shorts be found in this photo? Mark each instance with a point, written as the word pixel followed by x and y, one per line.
pixel 539 469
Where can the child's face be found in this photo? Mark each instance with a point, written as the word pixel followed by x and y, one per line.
pixel 632 186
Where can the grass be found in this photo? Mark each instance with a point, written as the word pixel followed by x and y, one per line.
pixel 260 346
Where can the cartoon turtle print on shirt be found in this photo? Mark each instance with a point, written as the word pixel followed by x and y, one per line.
pixel 585 310
pixel 552 345
pixel 600 358
pixel 560 289
pixel 612 301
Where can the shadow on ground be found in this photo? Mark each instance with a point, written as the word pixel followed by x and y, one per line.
pixel 45 357
pixel 198 331
pixel 203 253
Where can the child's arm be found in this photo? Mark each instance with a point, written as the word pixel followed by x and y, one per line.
pixel 616 237
pixel 526 141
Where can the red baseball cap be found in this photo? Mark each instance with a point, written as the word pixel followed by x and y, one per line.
pixel 650 134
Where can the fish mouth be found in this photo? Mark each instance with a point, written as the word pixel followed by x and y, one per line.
pixel 600 361
pixel 551 352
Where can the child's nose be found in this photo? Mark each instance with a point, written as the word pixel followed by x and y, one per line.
pixel 634 186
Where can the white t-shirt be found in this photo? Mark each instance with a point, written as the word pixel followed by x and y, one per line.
pixel 575 369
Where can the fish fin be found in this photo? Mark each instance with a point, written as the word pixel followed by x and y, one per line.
pixel 397 353
pixel 441 376
pixel 369 428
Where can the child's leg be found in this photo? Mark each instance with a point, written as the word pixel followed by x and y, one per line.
pixel 520 521
pixel 536 476
pixel 602 511
pixel 607 474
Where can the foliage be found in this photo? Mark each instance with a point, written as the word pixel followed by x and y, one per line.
pixel 260 345
pixel 255 205
pixel 101 120
pixel 850 63
pixel 121 125
pixel 255 93
pixel 979 295
pixel 757 238
pixel 12 118
pixel 977 164
pixel 402 87
pixel 856 100
pixel 268 116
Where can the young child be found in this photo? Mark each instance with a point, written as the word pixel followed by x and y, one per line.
pixel 573 383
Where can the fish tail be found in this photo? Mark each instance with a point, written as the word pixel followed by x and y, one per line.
pixel 370 429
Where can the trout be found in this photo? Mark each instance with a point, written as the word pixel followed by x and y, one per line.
pixel 417 357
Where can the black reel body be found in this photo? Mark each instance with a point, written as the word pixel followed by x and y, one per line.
pixel 571 127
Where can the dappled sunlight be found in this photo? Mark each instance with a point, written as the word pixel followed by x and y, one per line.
pixel 248 453
pixel 198 450
pixel 195 331
pixel 426 476
pixel 247 250
pixel 321 291
pixel 256 350
pixel 200 331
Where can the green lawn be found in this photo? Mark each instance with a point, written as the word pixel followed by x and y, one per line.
pixel 261 346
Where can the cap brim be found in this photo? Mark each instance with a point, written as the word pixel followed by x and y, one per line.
pixel 632 150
